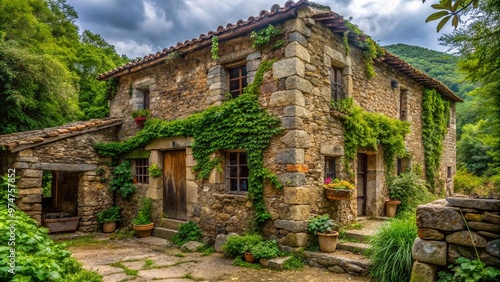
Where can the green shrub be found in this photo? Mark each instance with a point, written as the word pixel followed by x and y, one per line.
pixel 121 181
pixel 470 271
pixel 266 249
pixel 109 215
pixel 470 184
pixel 297 262
pixel 410 189
pixel 144 213
pixel 390 250
pixel 188 231
pixel 236 246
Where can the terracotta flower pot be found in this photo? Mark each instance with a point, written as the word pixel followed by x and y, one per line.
pixel 328 241
pixel 249 257
pixel 108 227
pixel 390 207
pixel 144 230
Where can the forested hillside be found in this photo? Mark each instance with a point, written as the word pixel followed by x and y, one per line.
pixel 48 68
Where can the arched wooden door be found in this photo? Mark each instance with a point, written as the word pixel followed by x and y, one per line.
pixel 174 184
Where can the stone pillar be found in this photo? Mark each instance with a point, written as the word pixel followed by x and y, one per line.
pixel 155 187
pixel 29 184
pixel 217 82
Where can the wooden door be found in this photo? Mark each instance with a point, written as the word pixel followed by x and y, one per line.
pixel 174 184
pixel 361 173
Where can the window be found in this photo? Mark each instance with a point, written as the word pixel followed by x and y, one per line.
pixel 337 87
pixel 145 99
pixel 403 105
pixel 141 170
pixel 330 167
pixel 237 80
pixel 449 171
pixel 236 172
pixel 402 165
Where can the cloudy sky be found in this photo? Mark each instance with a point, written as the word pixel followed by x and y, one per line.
pixel 140 27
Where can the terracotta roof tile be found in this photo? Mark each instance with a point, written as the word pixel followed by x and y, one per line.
pixel 329 18
pixel 16 141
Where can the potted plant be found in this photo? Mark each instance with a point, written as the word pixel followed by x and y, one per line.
pixel 140 116
pixel 336 189
pixel 108 218
pixel 142 223
pixel 323 226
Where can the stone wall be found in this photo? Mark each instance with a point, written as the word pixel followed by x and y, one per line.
pixel 443 235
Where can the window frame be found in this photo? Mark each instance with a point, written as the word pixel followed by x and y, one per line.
pixel 146 99
pixel 140 170
pixel 228 177
pixel 241 79
pixel 337 86
pixel 403 104
pixel 330 167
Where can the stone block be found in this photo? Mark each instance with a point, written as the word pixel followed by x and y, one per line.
pixel 254 56
pixel 483 226
pixel 253 65
pixel 25 182
pixel 28 191
pixel 423 272
pixel 332 150
pixel 297 139
pixel 31 173
pixel 295 240
pixel 297 25
pixel 481 204
pixel 493 248
pixel 433 252
pixel 430 234
pixel 297 168
pixel 20 165
pixel 439 217
pixel 292 123
pixel 290 156
pixel 292 179
pixel 297 111
pixel 474 216
pixel 191 246
pixel 220 240
pixel 25 153
pixel 466 238
pixel 296 195
pixel 297 37
pixel 456 251
pixel 215 86
pixel 295 49
pixel 298 83
pixel 288 67
pixel 27 159
pixel 155 193
pixel 294 212
pixel 287 98
pixel 492 218
pixel 489 234
pixel 191 191
pixel 292 225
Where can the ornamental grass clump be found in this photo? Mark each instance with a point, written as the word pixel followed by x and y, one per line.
pixel 390 250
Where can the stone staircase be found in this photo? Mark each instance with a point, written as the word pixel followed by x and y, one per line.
pixel 167 228
pixel 349 258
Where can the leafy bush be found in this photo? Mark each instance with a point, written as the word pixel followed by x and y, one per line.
pixel 470 271
pixel 321 224
pixel 470 184
pixel 121 181
pixel 109 215
pixel 236 246
pixel 390 250
pixel 297 262
pixel 155 171
pixel 410 189
pixel 144 213
pixel 188 231
pixel 266 249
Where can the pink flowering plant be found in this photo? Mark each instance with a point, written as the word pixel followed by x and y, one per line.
pixel 337 184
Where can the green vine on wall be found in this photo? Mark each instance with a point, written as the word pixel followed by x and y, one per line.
pixel 368 130
pixel 265 36
pixel 435 115
pixel 239 123
pixel 215 47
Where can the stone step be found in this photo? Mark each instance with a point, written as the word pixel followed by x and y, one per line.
pixel 369 228
pixel 164 233
pixel 275 263
pixel 357 248
pixel 340 262
pixel 170 223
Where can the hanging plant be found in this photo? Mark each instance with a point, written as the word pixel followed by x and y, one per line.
pixel 155 171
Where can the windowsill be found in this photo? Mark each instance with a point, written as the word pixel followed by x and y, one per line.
pixel 239 196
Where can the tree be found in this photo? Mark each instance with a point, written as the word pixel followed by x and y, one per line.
pixel 450 9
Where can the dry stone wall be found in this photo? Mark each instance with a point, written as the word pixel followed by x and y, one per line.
pixel 453 228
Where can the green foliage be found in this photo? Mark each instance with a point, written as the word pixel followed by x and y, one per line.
pixel 368 130
pixel 266 249
pixel 215 47
pixel 473 148
pixel 450 10
pixel 47 184
pixel 238 261
pixel 155 171
pixel 144 214
pixel 188 231
pixel 84 276
pixel 140 113
pixel 410 189
pixel 321 224
pixel 237 124
pixel 346 43
pixel 37 257
pixel 470 184
pixel 296 262
pixel 109 215
pixel 470 271
pixel 390 250
pixel 206 250
pixel 236 246
pixel 121 180
pixel 435 115
pixel 266 35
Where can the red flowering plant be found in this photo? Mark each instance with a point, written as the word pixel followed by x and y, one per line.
pixel 337 184
pixel 140 116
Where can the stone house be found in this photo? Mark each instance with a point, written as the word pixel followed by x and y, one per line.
pixel 312 67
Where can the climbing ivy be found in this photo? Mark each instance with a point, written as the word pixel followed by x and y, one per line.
pixel 265 35
pixel 215 47
pixel 368 130
pixel 435 115
pixel 239 123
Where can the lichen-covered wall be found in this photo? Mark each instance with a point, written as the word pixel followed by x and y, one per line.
pixel 453 228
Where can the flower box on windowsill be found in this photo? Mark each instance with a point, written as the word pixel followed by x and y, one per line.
pixel 338 194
